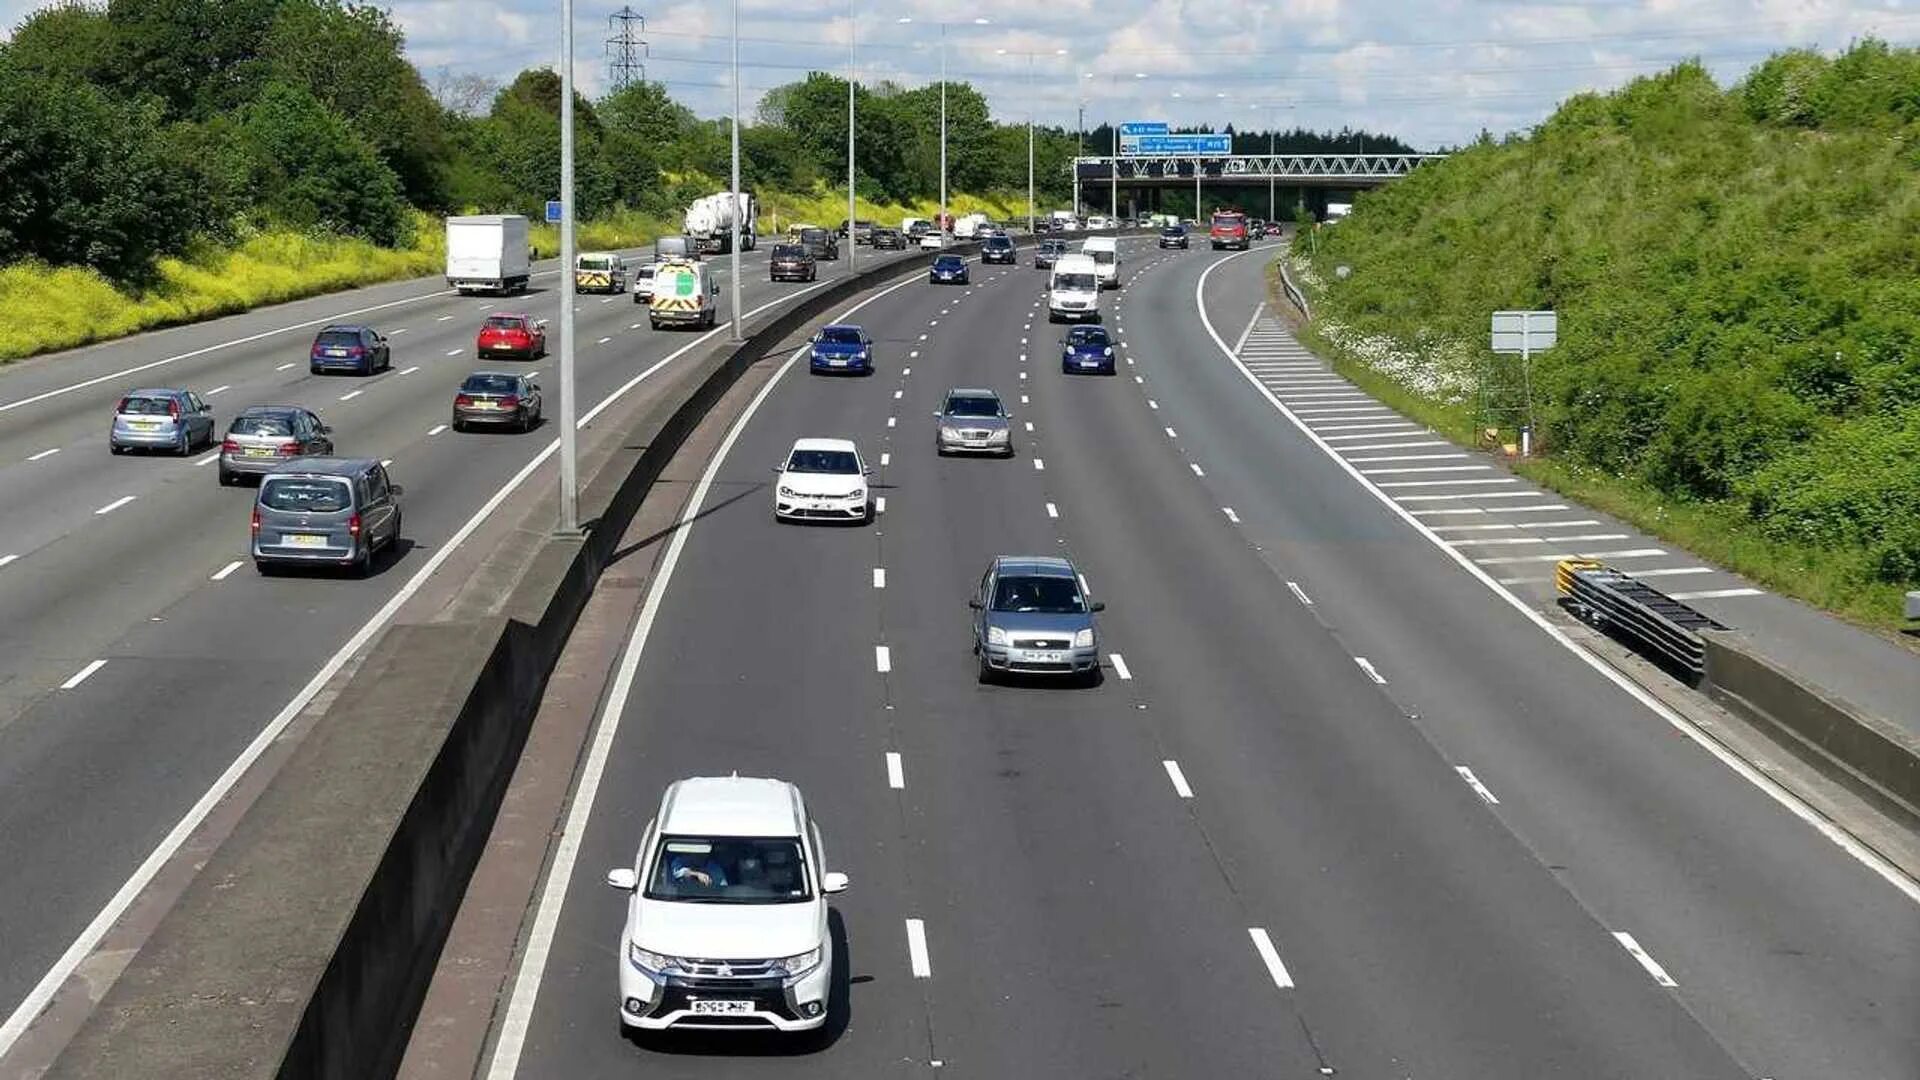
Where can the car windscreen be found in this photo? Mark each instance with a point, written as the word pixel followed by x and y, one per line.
pixel 644 271
pixel 261 424
pixel 310 495
pixel 144 406
pixel 1074 282
pixel 840 335
pixel 337 338
pixel 490 384
pixel 1045 595
pixel 973 406
pixel 841 462
pixel 1054 247
pixel 789 251
pixel 729 870
pixel 948 262
pixel 999 243
pixel 1173 230
pixel 1087 335
pixel 505 322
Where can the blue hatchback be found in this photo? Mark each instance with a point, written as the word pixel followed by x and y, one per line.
pixel 837 349
pixel 1086 349
pixel 948 270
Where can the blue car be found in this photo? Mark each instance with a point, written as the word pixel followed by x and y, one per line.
pixel 948 270
pixel 1086 349
pixel 349 348
pixel 841 349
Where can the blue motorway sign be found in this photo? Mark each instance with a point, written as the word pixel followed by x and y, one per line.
pixel 1179 144
pixel 553 211
pixel 1143 127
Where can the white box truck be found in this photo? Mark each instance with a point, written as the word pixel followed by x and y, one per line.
pixel 488 252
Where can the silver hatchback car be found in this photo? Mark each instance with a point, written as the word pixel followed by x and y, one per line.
pixel 325 511
pixel 175 420
pixel 973 421
pixel 1031 617
pixel 263 437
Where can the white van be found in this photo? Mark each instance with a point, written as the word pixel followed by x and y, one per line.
pixel 1073 290
pixel 684 293
pixel 1105 252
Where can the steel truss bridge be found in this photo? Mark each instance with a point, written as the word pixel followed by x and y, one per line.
pixel 1296 170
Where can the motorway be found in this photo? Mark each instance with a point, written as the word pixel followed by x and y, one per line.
pixel 1336 808
pixel 139 654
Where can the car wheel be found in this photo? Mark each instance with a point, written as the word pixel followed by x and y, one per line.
pixel 263 568
pixel 458 425
pixel 986 672
pixel 526 421
pixel 115 448
pixel 362 563
pixel 186 441
pixel 227 479
pixel 311 370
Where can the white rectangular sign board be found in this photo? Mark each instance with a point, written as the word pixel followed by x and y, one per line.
pixel 1525 331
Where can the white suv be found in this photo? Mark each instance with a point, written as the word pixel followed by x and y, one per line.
pixel 727 926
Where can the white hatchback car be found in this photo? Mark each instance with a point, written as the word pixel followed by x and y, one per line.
pixel 822 479
pixel 727 925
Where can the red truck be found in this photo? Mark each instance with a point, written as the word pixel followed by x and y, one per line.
pixel 1229 229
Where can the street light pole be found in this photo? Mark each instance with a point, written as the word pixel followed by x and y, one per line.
pixel 569 460
pixel 941 225
pixel 734 193
pixel 852 247
pixel 1029 144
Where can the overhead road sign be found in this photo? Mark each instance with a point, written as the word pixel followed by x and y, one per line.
pixel 1143 127
pixel 1209 145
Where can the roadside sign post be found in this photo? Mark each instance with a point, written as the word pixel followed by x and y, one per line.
pixel 1525 333
pixel 554 211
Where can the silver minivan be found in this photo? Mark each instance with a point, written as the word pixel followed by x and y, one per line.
pixel 325 511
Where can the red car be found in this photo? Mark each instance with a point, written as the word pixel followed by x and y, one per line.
pixel 512 335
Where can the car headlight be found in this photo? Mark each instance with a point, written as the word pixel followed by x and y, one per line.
pixel 1108 351
pixel 787 492
pixel 652 963
pixel 1083 639
pixel 793 967
pixel 996 636
pixel 998 435
pixel 949 432
pixel 861 355
pixel 856 496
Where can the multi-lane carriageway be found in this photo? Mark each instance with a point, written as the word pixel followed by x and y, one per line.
pixel 140 658
pixel 1339 807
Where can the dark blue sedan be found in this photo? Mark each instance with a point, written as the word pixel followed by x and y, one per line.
pixel 948 270
pixel 1086 349
pixel 841 349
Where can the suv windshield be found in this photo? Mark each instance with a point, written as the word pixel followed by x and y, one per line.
pixel 823 461
pixel 1074 282
pixel 1053 247
pixel 1228 221
pixel 261 424
pixel 1047 595
pixel 1173 230
pixel 305 495
pixel 840 335
pixel 973 406
pixel 490 384
pixel 729 870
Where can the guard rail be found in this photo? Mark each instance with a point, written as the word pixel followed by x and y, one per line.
pixel 1658 625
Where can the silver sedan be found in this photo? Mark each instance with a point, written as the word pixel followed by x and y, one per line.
pixel 973 421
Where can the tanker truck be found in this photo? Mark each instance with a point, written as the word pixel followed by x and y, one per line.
pixel 710 221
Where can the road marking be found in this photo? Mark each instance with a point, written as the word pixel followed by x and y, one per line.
pixel 917 949
pixel 886 458
pixel 923 337
pixel 43 454
pixel 455 352
pixel 883 658
pixel 1674 570
pixel 115 504
pixel 1410 470
pixel 1179 778
pixel 283 367
pixel 1366 665
pixel 1384 445
pixel 351 394
pixel 1263 945
pixel 207 459
pixel 1635 553
pixel 1197 470
pixel 1448 483
pixel 1120 666
pixel 1473 782
pixel 5 559
pixel 913 354
pixel 1478 495
pixel 221 389
pixel 896 772
pixel 1299 593
pixel 603 340
pixel 879 577
pixel 1515 540
pixel 408 371
pixel 1029 424
pixel 1152 404
pixel 401 330
pixel 514 1027
pixel 1024 400
pixel 1380 426
pixel 879 504
pixel 1716 594
pixel 904 372
pixel 1231 516
pixel 1140 380
pixel 1504 525
pixel 1053 511
pixel 1023 375
pixel 1039 465
pixel 891 420
pixel 1653 966
pixel 1171 434
pixel 221 574
pixel 635 326
pixel 83 674
pixel 1406 457
pixel 443 318
pixel 436 429
pixel 897 394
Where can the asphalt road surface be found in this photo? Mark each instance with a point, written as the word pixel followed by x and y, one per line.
pixel 140 561
pixel 1335 809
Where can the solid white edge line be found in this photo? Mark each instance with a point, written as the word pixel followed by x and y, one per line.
pixel 1473 782
pixel 1269 955
pixel 222 573
pixel 917 959
pixel 83 674
pixel 896 772
pixel 1648 962
pixel 89 937
pixel 518 1015
pixel 1180 785
pixel 1120 666
pixel 1866 856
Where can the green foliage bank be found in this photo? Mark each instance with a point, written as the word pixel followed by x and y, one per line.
pixel 1737 274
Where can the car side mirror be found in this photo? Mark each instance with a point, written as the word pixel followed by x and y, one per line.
pixel 973 602
pixel 779 468
pixel 623 878
pixel 866 470
pixel 534 386
pixel 1097 605
pixel 833 882
pixel 325 430
pixel 397 490
pixel 540 324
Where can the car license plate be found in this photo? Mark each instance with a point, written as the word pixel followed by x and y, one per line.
pixel 255 451
pixel 1045 657
pixel 336 352
pixel 722 1006
pixel 146 425
pixel 303 540
pixel 838 361
pixel 1089 363
pixel 485 405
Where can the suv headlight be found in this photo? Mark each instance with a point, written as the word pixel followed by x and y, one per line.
pixel 793 967
pixel 652 963
pixel 996 636
pixel 1083 639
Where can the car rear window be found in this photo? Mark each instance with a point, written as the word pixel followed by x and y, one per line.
pixel 338 337
pixel 789 251
pixel 144 406
pixel 505 322
pixel 264 424
pixel 490 384
pixel 589 262
pixel 300 494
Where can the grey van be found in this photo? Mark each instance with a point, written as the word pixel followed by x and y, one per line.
pixel 327 511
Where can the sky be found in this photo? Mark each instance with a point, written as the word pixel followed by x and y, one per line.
pixel 1433 72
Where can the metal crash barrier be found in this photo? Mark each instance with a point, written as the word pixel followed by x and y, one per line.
pixel 1657 624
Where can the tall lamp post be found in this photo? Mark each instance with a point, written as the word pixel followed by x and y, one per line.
pixel 853 249
pixel 569 460
pixel 977 21
pixel 1081 130
pixel 733 193
pixel 1029 95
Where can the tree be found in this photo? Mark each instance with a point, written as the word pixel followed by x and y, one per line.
pixel 69 40
pixel 463 95
pixel 198 56
pixel 310 168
